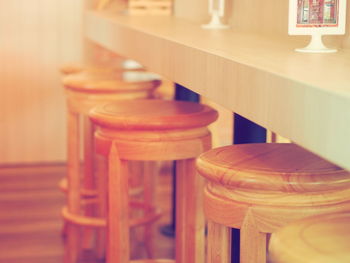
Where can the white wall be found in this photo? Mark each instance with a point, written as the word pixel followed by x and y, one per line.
pixel 36 37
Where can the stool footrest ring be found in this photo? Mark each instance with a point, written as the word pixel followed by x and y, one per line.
pixel 153 261
pixel 63 186
pixel 83 220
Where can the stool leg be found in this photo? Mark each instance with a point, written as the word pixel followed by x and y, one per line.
pixel 64 229
pixel 73 194
pixel 253 242
pixel 136 191
pixel 88 178
pixel 118 247
pixel 101 178
pixel 189 213
pixel 150 175
pixel 219 243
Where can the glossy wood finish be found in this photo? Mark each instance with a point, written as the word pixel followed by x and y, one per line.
pixel 272 167
pixel 160 114
pixel 220 238
pixel 84 91
pixel 260 188
pixel 30 214
pixel 31 221
pixel 121 65
pixel 322 239
pixel 105 81
pixel 149 131
pixel 250 72
pixel 71 69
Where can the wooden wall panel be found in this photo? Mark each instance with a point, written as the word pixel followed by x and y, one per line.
pixel 36 37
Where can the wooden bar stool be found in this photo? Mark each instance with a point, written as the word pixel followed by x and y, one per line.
pixel 321 239
pixel 154 130
pixel 258 188
pixel 83 92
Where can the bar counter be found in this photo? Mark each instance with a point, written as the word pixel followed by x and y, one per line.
pixel 303 97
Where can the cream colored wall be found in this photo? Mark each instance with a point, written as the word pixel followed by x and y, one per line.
pixel 194 10
pixel 36 37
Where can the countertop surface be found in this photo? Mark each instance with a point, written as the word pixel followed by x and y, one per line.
pixel 303 97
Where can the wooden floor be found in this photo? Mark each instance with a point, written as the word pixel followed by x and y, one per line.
pixel 30 220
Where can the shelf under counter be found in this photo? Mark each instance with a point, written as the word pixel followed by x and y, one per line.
pixel 304 97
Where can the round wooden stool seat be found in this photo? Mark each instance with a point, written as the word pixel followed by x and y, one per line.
pixel 109 82
pixel 152 114
pixel 86 90
pixel 259 188
pixel 77 68
pixel 154 130
pixel 321 239
pixel 71 69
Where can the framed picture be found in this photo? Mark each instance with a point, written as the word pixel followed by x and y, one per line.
pixel 322 16
pixel 317 18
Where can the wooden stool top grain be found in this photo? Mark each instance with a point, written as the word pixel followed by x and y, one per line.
pixel 128 65
pixel 260 188
pixel 155 114
pixel 112 81
pixel 77 68
pixel 321 239
pixel 71 69
pixel 271 167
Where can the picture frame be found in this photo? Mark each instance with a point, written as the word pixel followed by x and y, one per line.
pixel 316 18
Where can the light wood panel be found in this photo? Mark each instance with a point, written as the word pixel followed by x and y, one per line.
pixel 37 37
pixel 322 239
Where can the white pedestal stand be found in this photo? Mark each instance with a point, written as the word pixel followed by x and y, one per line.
pixel 316 46
pixel 215 22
